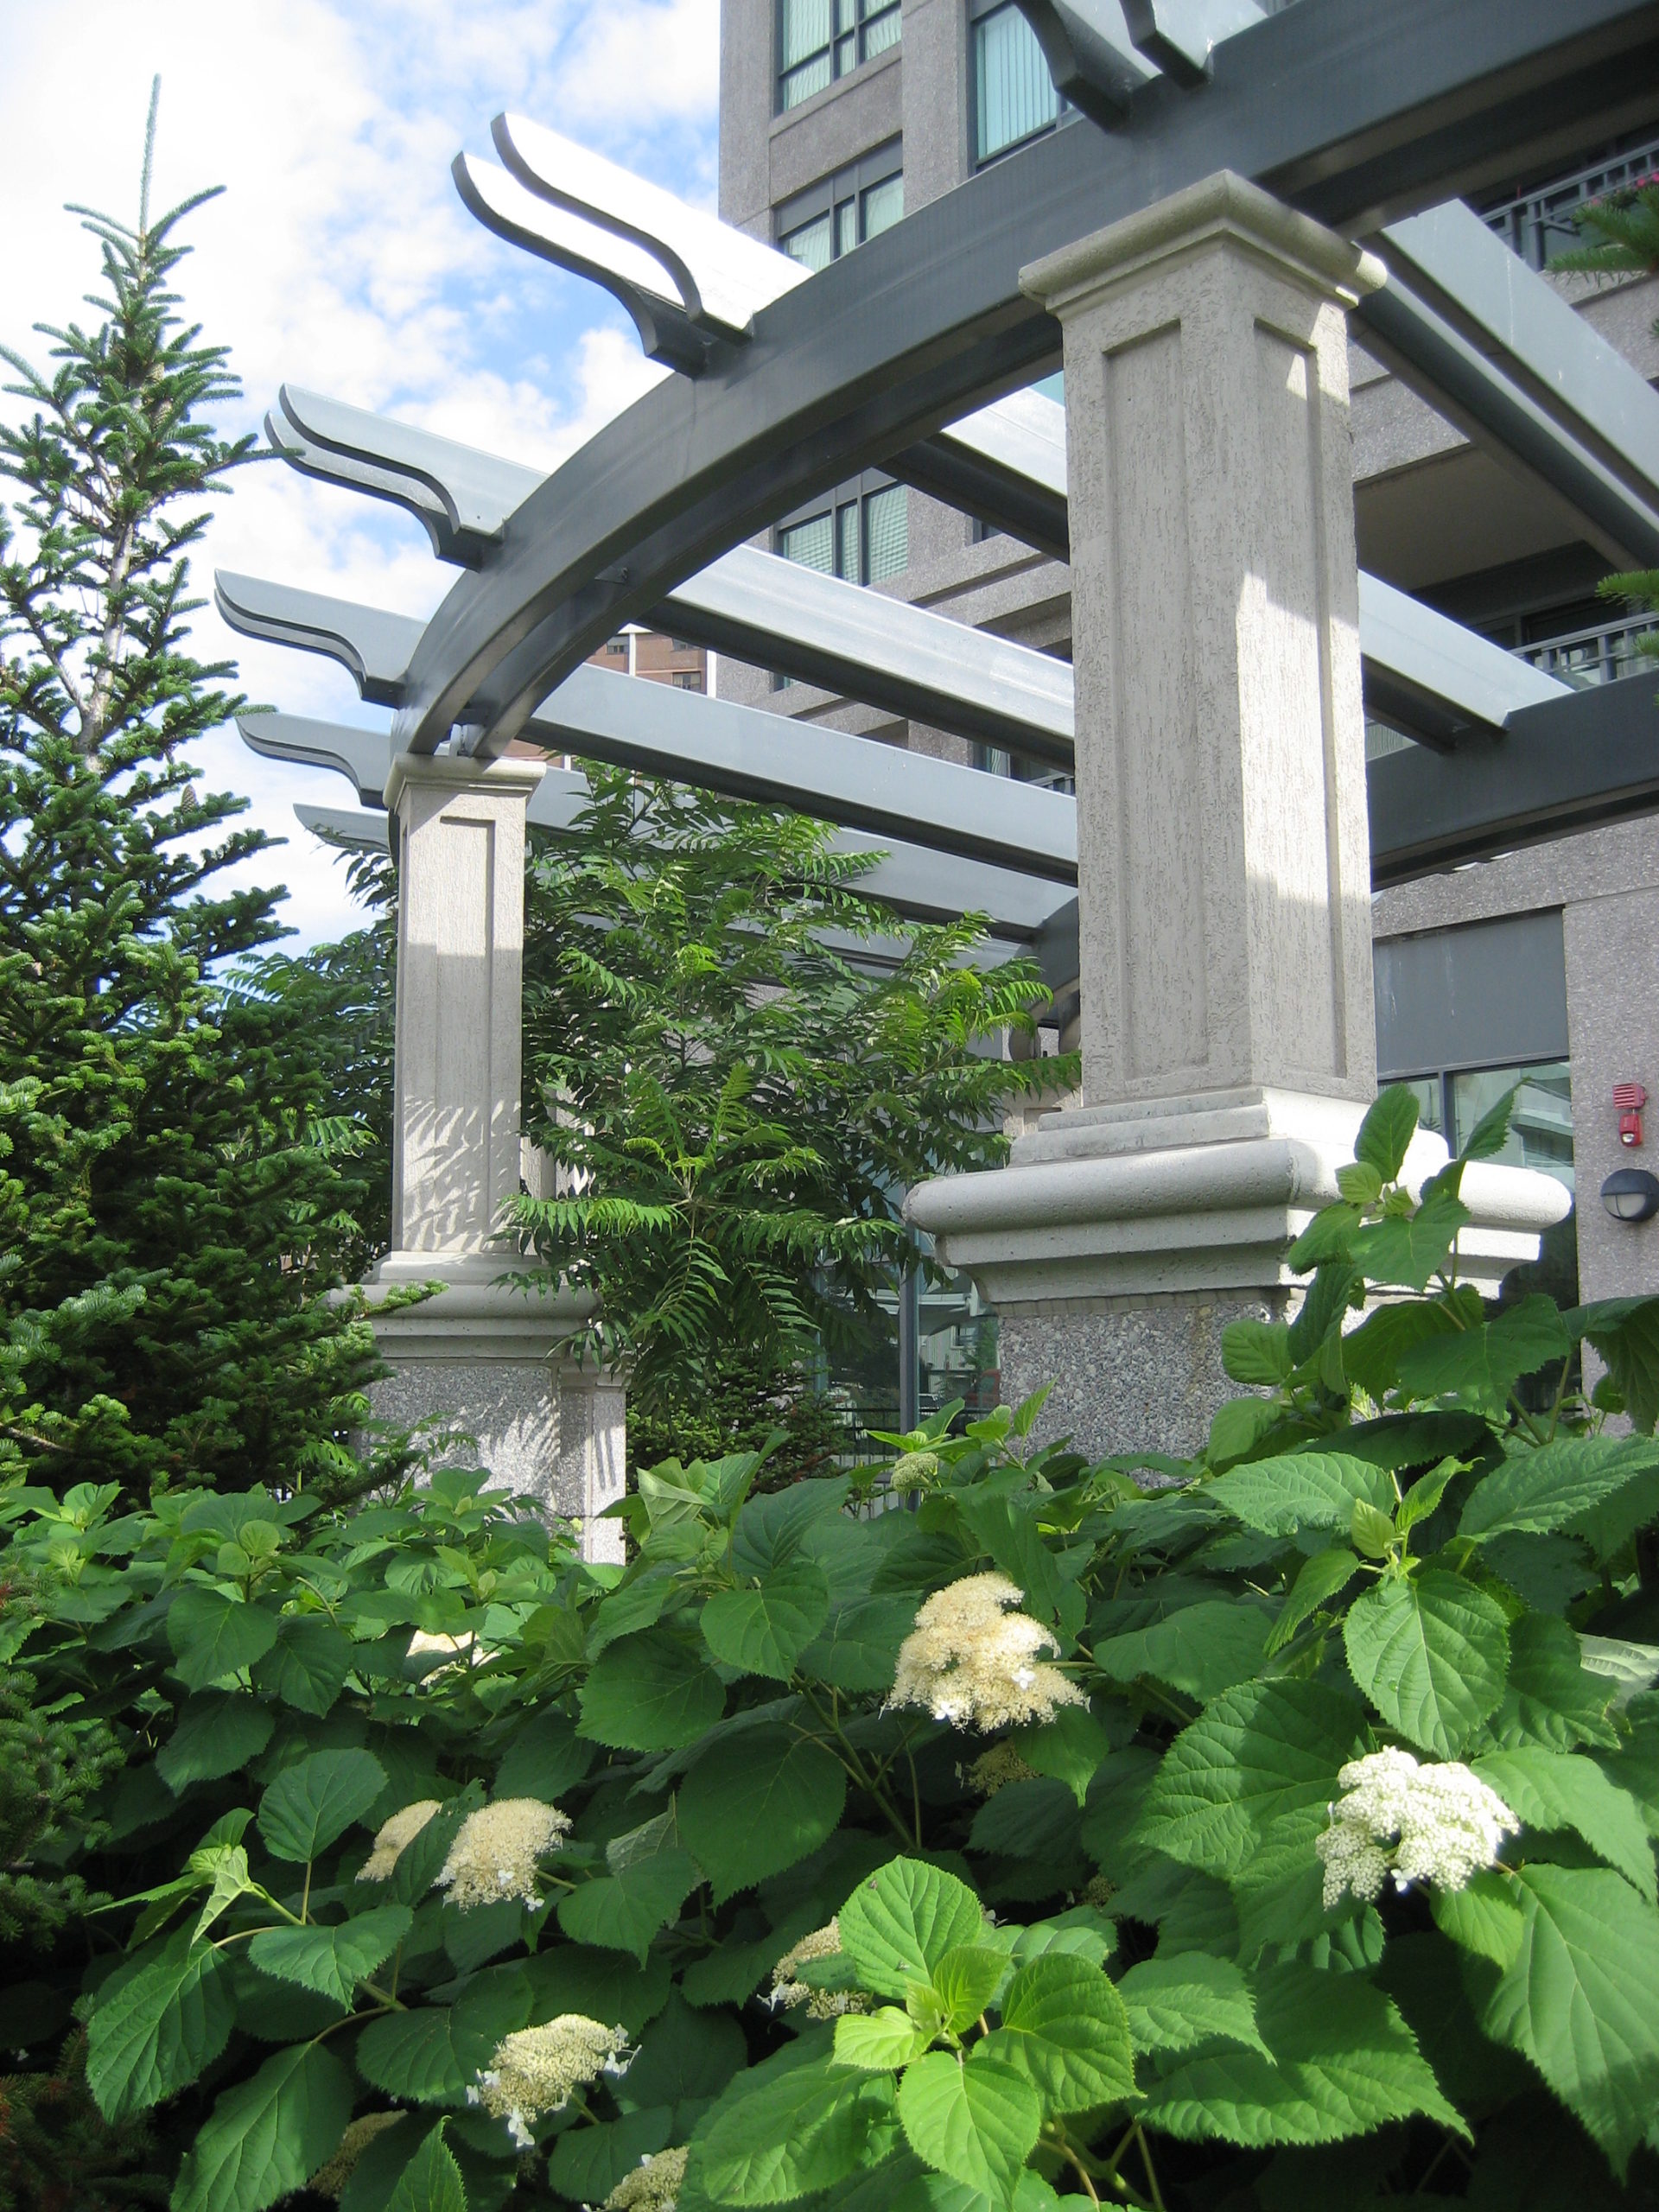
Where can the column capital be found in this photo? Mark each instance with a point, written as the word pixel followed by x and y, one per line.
pixel 454 772
pixel 1223 209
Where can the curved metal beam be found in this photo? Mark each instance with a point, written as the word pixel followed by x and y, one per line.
pixel 376 646
pixel 1353 110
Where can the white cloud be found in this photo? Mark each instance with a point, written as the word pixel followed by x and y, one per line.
pixel 339 257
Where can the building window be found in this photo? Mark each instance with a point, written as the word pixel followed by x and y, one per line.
pixel 860 534
pixel 1014 95
pixel 1541 1121
pixel 821 40
pixel 818 225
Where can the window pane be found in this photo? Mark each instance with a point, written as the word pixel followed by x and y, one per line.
pixel 846 15
pixel 1015 94
pixel 1053 387
pixel 801 84
pixel 882 206
pixel 846 56
pixel 880 28
pixel 809 542
pixel 886 545
pixel 805 27
pixel 1540 1123
pixel 810 245
pixel 846 227
pixel 847 542
pixel 1425 1089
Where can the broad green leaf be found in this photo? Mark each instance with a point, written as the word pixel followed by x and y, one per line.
pixel 1625 1331
pixel 756 1802
pixel 1578 2000
pixel 1409 1249
pixel 1386 1132
pixel 1239 1427
pixel 797 2131
pixel 965 1980
pixel 1563 1789
pixel 977 2122
pixel 1321 1577
pixel 1256 1351
pixel 1327 1237
pixel 431 2181
pixel 1373 1352
pixel 1432 1654
pixel 586 2163
pixel 623 1911
pixel 1082 1931
pixel 1070 1748
pixel 572 1978
pixel 1064 2027
pixel 433 2054
pixel 1550 1488
pixel 312 1803
pixel 1632 1668
pixel 266 2138
pixel 226 1868
pixel 637 1605
pixel 1343 2062
pixel 213 1635
pixel 901 1920
pixel 1302 1490
pixel 215 1734
pixel 1175 2004
pixel 307 1665
pixel 1483 1917
pixel 1424 1497
pixel 859 1649
pixel 1484 1363
pixel 685 2057
pixel 1370 1533
pixel 545 1759
pixel 879 2042
pixel 765 1627
pixel 1034 1818
pixel 333 1960
pixel 1202 1650
pixel 1262 1755
pixel 650 1693
pixel 155 2025
pixel 1331 1293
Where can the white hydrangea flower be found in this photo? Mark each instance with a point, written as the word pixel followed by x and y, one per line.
pixel 494 1854
pixel 536 2070
pixel 1437 1823
pixel 653 2186
pixel 821 2004
pixel 995 1769
pixel 395 1836
pixel 330 2179
pixel 974 1664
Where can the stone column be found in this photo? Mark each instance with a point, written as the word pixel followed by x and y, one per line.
pixel 482 1356
pixel 1229 1037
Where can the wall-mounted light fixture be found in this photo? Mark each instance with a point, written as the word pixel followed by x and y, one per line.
pixel 1631 1194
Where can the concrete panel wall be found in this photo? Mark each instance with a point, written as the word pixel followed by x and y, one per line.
pixel 1612 985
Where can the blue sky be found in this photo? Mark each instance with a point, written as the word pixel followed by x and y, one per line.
pixel 340 258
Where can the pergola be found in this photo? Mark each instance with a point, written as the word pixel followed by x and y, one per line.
pixel 1371 117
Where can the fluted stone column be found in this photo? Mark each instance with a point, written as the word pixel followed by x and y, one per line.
pixel 482 1356
pixel 1228 1036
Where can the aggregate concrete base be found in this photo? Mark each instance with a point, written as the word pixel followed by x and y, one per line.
pixel 1130 1374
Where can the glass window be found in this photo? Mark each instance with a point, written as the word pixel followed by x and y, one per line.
pixel 812 245
pixel 819 42
pixel 1540 1123
pixel 810 543
pixel 886 551
pixel 831 218
pixel 882 206
pixel 1015 97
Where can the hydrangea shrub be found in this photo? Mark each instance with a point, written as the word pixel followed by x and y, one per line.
pixel 1271 1829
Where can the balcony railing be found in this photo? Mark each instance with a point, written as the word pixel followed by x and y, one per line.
pixel 1595 656
pixel 1542 223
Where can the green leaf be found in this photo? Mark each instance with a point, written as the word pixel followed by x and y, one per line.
pixel 266 2138
pixel 1257 1351
pixel 1371 1353
pixel 434 2053
pixel 1030 1818
pixel 1483 1917
pixel 965 1980
pixel 155 2024
pixel 882 2041
pixel 1625 1331
pixel 213 1635
pixel 765 1627
pixel 1343 2062
pixel 1578 2000
pixel 1359 1183
pixel 571 1977
pixel 1432 1654
pixel 1551 1697
pixel 586 2163
pixel 1202 1650
pixel 1065 2028
pixel 312 1803
pixel 1237 1427
pixel 800 2130
pixel 623 1911
pixel 1386 1132
pixel 755 1803
pixel 307 1665
pixel 685 2058
pixel 1175 2004
pixel 1484 1363
pixel 1370 1532
pixel 1070 1748
pixel 1302 1490
pixel 545 1759
pixel 215 1734
pixel 333 1960
pixel 859 1649
pixel 431 2181
pixel 1327 1237
pixel 1424 1497
pixel 1262 1757
pixel 637 1605
pixel 1551 1488
pixel 977 2122
pixel 650 1693
pixel 1321 1577
pixel 1408 1249
pixel 901 1920
pixel 1556 1790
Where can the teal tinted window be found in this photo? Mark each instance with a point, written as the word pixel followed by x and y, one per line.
pixel 821 40
pixel 1013 94
pixel 886 551
pixel 882 206
pixel 812 245
pixel 1541 1121
pixel 811 543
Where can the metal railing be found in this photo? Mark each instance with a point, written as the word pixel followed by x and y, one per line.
pixel 1600 655
pixel 1540 223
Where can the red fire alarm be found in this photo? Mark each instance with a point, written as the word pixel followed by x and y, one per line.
pixel 1629 1098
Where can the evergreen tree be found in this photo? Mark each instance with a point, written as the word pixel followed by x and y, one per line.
pixel 171 1218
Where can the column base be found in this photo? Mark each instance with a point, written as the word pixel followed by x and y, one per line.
pixel 1119 1242
pixel 482 1361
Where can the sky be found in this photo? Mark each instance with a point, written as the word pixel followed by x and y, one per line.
pixel 340 258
